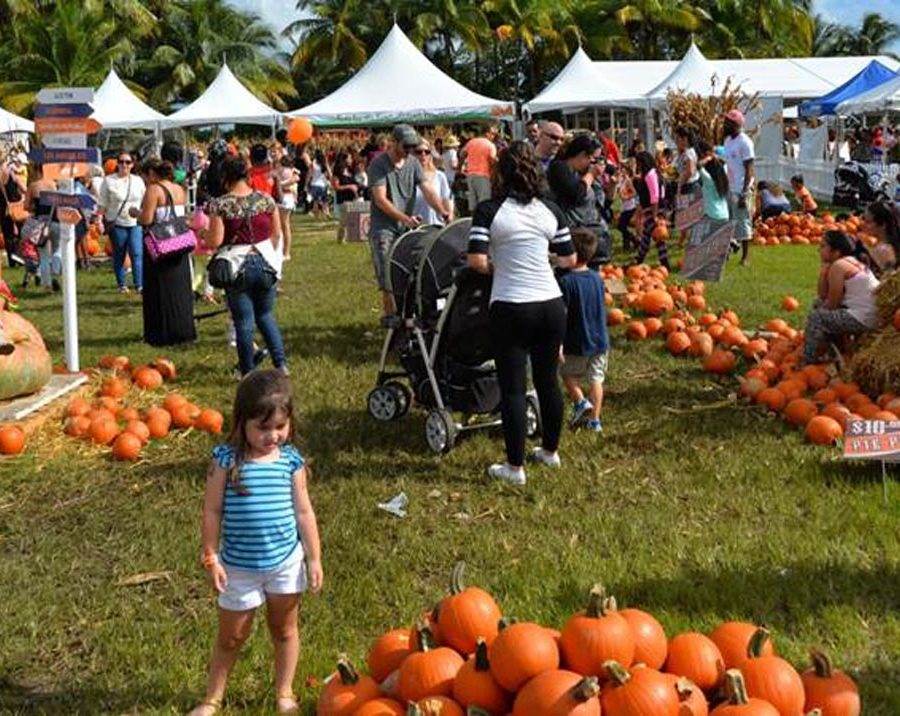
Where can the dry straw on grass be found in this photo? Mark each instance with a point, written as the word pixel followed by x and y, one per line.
pixel 703 115
pixel 876 366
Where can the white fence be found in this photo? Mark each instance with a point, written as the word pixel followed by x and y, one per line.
pixel 818 175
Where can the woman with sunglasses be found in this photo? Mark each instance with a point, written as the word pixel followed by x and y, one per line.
pixel 438 181
pixel 572 177
pixel 121 196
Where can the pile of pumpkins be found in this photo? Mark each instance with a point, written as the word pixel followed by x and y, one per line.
pixel 801 228
pixel 110 420
pixel 463 658
pixel 812 398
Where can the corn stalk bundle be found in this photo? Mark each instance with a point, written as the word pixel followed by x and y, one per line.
pixel 887 297
pixel 703 115
pixel 876 366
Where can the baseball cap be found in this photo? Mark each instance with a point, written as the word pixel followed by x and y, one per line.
pixel 405 135
pixel 736 116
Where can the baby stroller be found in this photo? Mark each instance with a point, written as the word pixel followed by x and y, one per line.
pixel 441 338
pixel 855 187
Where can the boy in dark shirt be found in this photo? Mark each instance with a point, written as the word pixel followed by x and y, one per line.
pixel 586 347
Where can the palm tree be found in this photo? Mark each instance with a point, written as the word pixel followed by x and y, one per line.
pixel 829 38
pixel 195 37
pixel 334 31
pixel 450 26
pixel 874 36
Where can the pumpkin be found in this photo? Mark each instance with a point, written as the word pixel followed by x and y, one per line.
pixel 182 416
pixel 77 406
pixel 702 345
pixel 692 701
pixel 816 376
pixel 751 387
pixel 825 396
pixel 672 325
pixel 147 378
pixel 98 413
pixel 158 425
pixel 696 302
pixel 139 429
pixel 772 398
pixel 837 412
pixel 792 388
pixel 829 689
pixel 77 426
pixel 636 331
pixel 466 614
pixel 776 325
pixel 653 325
pixel 896 320
pixel 12 440
pixel 695 657
pixel 103 431
pixel 345 691
pixel 521 651
pixel 127 446
pixel 475 686
pixel 110 404
pixel 824 430
pixel 28 367
pixel 165 367
pixel 429 671
pixel 844 390
pixel 789 303
pixel 127 414
pixel 733 336
pixel 755 349
pixel 771 678
pixel 639 692
pixel 660 231
pixel 800 411
pixel 173 400
pixel 597 635
pixel 656 302
pixel 733 640
pixel 380 707
pixel 678 343
pixel 113 387
pixel 107 362
pixel 615 317
pixel 719 362
pixel 650 645
pixel 209 421
pixel 435 706
pixel 388 652
pixel 558 693
pixel 730 316
pixel 738 702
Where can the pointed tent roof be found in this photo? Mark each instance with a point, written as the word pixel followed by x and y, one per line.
pixel 117 107
pixel 692 74
pixel 10 122
pixel 399 83
pixel 885 96
pixel 225 101
pixel 580 84
pixel 873 75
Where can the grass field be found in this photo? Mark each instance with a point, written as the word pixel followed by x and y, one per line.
pixel 695 515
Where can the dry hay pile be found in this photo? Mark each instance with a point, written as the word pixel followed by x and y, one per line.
pixel 876 365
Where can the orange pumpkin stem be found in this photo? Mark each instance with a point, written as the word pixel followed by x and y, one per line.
pixel 735 688
pixel 618 673
pixel 481 656
pixel 821 663
pixel 348 674
pixel 586 689
pixel 596 602
pixel 456 578
pixel 758 642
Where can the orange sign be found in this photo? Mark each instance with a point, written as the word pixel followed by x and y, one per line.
pixel 873 439
pixel 65 171
pixel 67 125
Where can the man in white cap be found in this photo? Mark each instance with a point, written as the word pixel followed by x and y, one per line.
pixel 393 178
pixel 739 158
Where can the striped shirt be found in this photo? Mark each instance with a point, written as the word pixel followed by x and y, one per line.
pixel 259 522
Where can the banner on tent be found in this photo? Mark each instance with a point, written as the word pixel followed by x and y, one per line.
pixel 707 252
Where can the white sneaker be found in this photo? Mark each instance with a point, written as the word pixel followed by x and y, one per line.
pixel 511 475
pixel 541 456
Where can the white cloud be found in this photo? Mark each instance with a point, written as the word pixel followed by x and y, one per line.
pixel 277 13
pixel 851 12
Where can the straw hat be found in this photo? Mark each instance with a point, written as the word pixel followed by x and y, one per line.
pixel 451 142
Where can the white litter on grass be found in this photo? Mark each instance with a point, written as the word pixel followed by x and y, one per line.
pixel 396 505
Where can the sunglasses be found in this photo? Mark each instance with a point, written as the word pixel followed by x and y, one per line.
pixel 126 161
pixel 554 137
pixel 421 151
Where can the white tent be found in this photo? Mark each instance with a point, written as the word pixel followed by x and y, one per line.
pixel 694 74
pixel 579 84
pixel 399 83
pixel 10 122
pixel 117 107
pixel 225 101
pixel 878 99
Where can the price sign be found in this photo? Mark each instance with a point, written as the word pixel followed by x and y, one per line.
pixel 872 439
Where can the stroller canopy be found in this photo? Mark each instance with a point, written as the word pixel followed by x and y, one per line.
pixel 444 254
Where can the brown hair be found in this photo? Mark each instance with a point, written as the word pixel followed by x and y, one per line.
pixel 161 168
pixel 517 174
pixel 585 242
pixel 261 394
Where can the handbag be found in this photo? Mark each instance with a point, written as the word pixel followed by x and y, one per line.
pixel 171 236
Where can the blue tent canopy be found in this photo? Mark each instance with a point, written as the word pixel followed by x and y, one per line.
pixel 871 76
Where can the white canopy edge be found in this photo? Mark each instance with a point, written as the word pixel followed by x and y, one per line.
pixel 117 107
pixel 11 123
pixel 885 97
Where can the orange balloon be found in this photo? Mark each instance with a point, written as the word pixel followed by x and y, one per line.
pixel 300 130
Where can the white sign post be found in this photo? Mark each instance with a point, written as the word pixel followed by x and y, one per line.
pixel 70 297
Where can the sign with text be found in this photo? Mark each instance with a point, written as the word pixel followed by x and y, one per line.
pixel 63 110
pixel 66 125
pixel 707 252
pixel 60 199
pixel 688 209
pixel 65 95
pixel 48 155
pixel 873 440
pixel 64 141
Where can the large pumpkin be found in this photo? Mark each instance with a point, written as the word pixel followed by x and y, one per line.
pixel 597 635
pixel 733 640
pixel 346 691
pixel 829 689
pixel 639 692
pixel 428 671
pixel 27 368
pixel 771 678
pixel 520 652
pixel 475 686
pixel 650 645
pixel 696 657
pixel 388 652
pixel 739 703
pixel 467 614
pixel 558 693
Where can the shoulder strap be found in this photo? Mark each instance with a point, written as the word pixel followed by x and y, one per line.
pixel 125 200
pixel 170 201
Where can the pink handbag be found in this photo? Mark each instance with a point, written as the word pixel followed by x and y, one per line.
pixel 169 237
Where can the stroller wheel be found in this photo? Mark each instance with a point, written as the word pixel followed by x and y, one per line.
pixel 404 395
pixel 533 427
pixel 384 403
pixel 440 431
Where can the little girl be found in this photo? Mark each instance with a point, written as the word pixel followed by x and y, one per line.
pixel 628 196
pixel 260 537
pixel 649 194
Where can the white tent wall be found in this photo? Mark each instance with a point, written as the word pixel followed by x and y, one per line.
pixel 13 123
pixel 117 107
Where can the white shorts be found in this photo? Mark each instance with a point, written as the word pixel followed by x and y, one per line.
pixel 288 201
pixel 247 589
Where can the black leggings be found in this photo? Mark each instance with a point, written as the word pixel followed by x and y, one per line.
pixel 624 226
pixel 522 331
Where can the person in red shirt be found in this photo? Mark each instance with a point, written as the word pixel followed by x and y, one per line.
pixel 261 175
pixel 610 149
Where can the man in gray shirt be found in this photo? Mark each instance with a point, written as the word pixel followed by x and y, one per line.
pixel 393 178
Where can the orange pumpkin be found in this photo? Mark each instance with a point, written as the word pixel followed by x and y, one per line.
pixel 173 400
pixel 692 701
pixel 182 415
pixel 558 693
pixel 522 651
pixel 776 325
pixel 380 707
pixel 113 387
pixel 660 230
pixel 597 635
pixel 653 325
pixel 615 317
pixel 800 411
pixel 825 396
pixel 755 349
pixel 829 689
pixel 739 703
pixel 345 691
pixel 772 679
pixel 702 345
pixel 751 387
pixel 77 426
pixel 824 430
pixel 127 446
pixel 656 302
pixel 388 652
pixel 139 429
pixel 719 362
pixel 475 686
pixel 896 320
pixel 695 657
pixel 127 414
pixel 467 614
pixel 103 430
pixel 733 640
pixel 678 343
pixel 435 706
pixel 209 421
pixel 77 406
pixel 789 303
pixel 639 692
pixel 636 331
pixel 147 378
pixel 429 671
pixel 650 645
pixel 165 367
pixel 158 424
pixel 696 302
pixel 12 440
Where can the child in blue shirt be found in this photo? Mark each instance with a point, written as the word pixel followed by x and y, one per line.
pixel 260 536
pixel 585 350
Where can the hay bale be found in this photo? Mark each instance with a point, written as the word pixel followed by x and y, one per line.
pixel 887 297
pixel 876 365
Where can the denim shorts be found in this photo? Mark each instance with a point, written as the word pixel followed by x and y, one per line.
pixel 380 241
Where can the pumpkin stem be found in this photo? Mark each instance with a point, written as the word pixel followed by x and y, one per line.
pixel 685 687
pixel 475 711
pixel 735 688
pixel 815 712
pixel 456 578
pixel 481 656
pixel 505 622
pixel 596 600
pixel 346 671
pixel 758 642
pixel 413 710
pixel 821 663
pixel 609 605
pixel 424 637
pixel 586 689
pixel 618 673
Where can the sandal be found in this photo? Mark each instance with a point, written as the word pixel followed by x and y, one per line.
pixel 207 707
pixel 286 704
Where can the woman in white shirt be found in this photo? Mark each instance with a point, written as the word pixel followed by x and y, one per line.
pixel 121 197
pixel 439 183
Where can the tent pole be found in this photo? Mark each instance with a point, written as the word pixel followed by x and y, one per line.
pixel 596 121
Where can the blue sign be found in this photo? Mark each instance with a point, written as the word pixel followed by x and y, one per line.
pixel 91 155
pixel 73 201
pixel 63 111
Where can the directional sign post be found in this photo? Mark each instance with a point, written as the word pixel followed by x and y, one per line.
pixel 66 111
pixel 53 155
